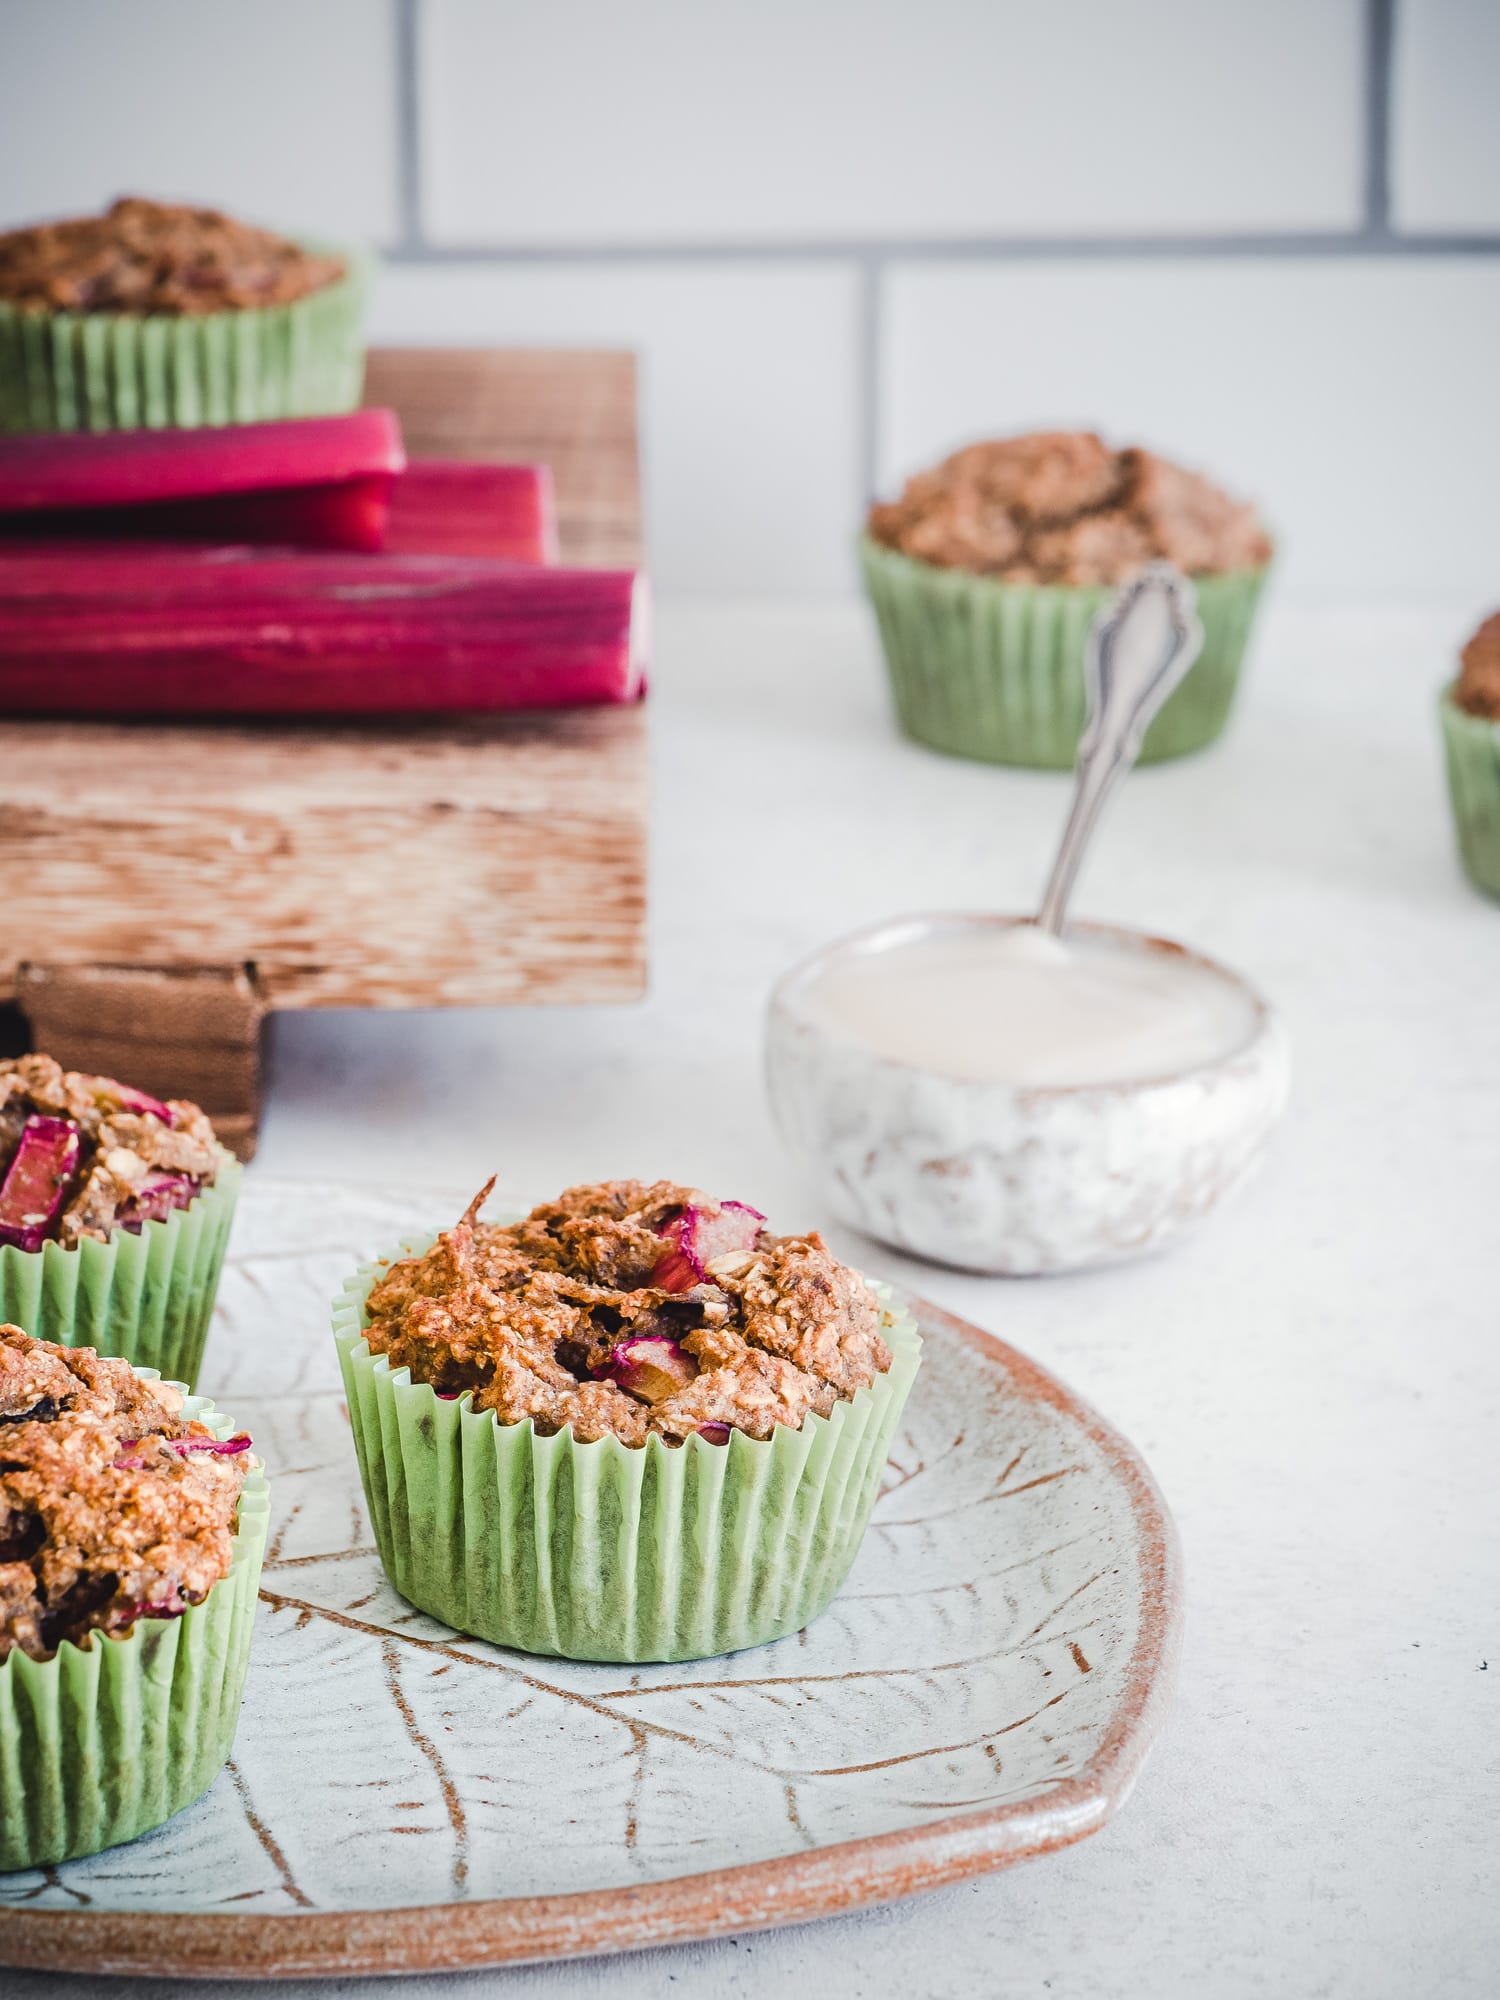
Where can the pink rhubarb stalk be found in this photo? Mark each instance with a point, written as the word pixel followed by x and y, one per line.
pixel 36 1184
pixel 448 507
pixel 650 1366
pixel 695 1238
pixel 151 632
pixel 322 482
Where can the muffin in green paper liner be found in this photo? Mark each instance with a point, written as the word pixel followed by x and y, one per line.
pixel 154 316
pixel 142 1199
pixel 986 574
pixel 110 1730
pixel 1470 710
pixel 695 1539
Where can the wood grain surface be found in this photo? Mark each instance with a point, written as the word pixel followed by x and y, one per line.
pixel 475 861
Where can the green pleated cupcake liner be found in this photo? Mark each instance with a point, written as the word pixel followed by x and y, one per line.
pixel 64 371
pixel 605 1551
pixel 104 1741
pixel 1472 747
pixel 146 1297
pixel 993 670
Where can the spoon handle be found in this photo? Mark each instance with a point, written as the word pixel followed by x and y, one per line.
pixel 1139 648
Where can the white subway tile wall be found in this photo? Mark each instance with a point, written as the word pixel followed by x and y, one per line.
pixel 1340 395
pixel 749 421
pixel 1445 131
pixel 845 234
pixel 782 120
pixel 284 110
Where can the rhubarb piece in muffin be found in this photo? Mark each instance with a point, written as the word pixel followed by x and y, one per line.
pixel 113 1507
pixel 626 1309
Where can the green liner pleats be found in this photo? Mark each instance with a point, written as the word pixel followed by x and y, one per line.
pixel 154 371
pixel 145 1297
pixel 993 670
pixel 106 1740
pixel 603 1551
pixel 1472 746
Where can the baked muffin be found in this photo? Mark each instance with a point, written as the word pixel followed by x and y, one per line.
pixel 1471 738
pixel 154 315
pixel 115 1210
pixel 988 570
pixel 636 1425
pixel 131 1527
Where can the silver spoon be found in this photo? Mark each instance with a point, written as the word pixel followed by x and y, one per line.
pixel 1138 649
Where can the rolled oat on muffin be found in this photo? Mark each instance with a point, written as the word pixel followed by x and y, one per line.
pixel 624 1309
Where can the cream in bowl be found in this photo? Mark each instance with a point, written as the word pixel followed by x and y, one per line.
pixel 976 1091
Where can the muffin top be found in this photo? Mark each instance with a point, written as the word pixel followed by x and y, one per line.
pixel 1063 507
pixel 112 1507
pixel 82 1155
pixel 1478 688
pixel 624 1309
pixel 153 257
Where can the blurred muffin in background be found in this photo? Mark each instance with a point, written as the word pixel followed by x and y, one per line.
pixel 988 570
pixel 1471 738
pixel 155 315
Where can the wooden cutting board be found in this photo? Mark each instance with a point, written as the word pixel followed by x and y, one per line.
pixel 165 886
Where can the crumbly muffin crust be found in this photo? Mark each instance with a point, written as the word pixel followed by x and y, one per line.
pixel 1478 689
pixel 130 1158
pixel 112 1506
pixel 624 1309
pixel 1063 507
pixel 157 257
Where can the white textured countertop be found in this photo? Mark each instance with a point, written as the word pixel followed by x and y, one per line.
pixel 1315 1377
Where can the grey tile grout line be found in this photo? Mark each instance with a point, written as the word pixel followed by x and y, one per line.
pixel 1380 55
pixel 868 330
pixel 1362 242
pixel 408 128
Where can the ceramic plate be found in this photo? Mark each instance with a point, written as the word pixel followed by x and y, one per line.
pixel 404 1798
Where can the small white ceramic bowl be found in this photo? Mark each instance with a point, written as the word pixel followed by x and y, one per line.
pixel 997 1178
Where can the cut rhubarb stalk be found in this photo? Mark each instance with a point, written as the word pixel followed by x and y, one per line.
pixel 149 632
pixel 695 1238
pixel 153 1201
pixel 323 482
pixel 112 1095
pixel 446 507
pixel 650 1366
pixel 37 1184
pixel 714 1433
